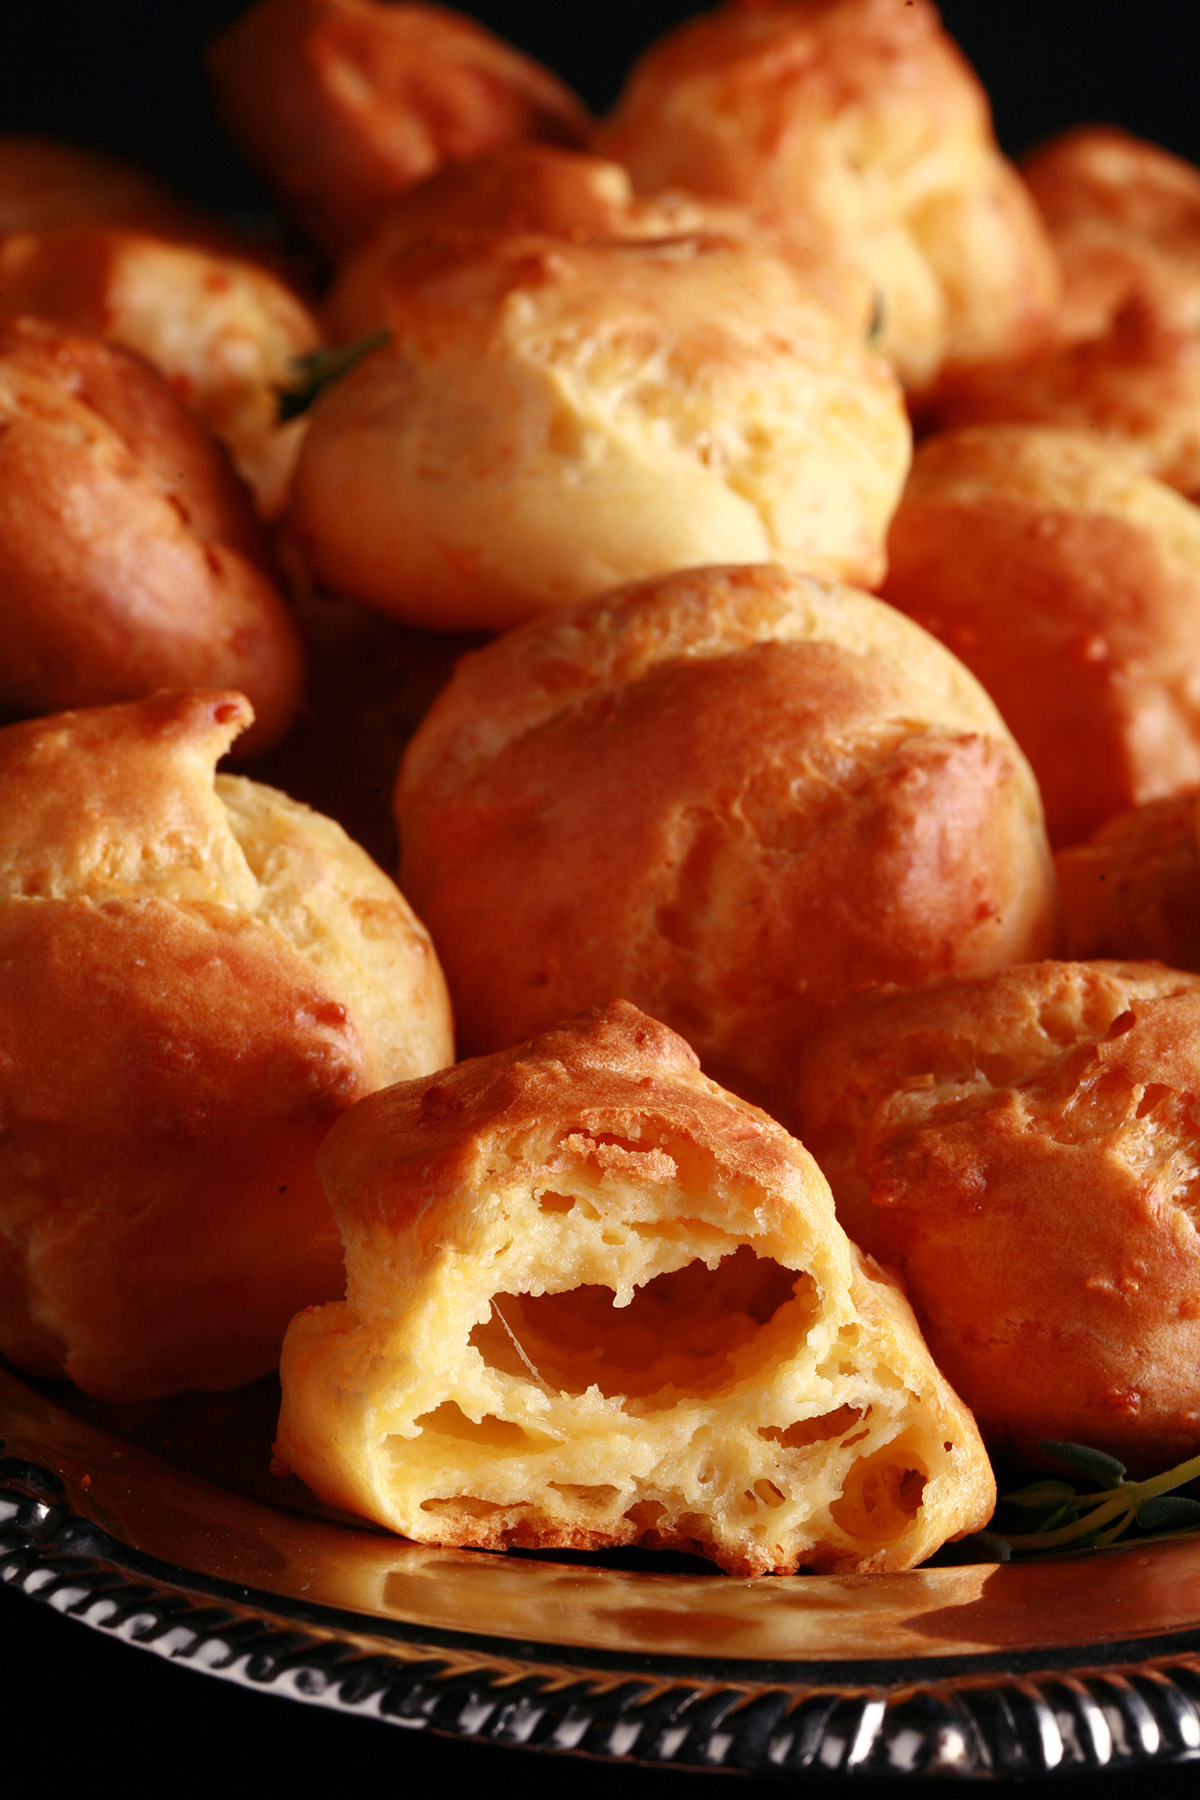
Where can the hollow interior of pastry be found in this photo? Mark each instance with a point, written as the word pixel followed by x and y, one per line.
pixel 705 1395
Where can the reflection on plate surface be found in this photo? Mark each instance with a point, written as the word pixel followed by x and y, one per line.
pixel 1089 1661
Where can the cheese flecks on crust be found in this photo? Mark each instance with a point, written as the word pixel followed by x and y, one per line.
pixel 594 1300
pixel 733 796
pixel 114 802
pixel 222 329
pixel 552 418
pixel 1024 1148
pixel 196 978
pixel 863 118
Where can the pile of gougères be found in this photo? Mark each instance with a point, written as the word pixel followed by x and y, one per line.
pixel 743 553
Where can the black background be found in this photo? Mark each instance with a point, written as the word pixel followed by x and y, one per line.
pixel 126 74
pixel 81 1712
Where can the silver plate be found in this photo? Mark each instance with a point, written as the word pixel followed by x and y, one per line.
pixel 164 1526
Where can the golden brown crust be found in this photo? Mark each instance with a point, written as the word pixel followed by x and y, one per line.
pixel 1023 1148
pixel 734 796
pixel 411 1162
pixel 1136 387
pixel 130 557
pixel 1133 889
pixel 555 192
pixel 195 980
pixel 591 1299
pixel 552 418
pixel 222 329
pixel 1124 217
pixel 862 116
pixel 344 104
pixel 181 457
pixel 1069 582
pixel 137 1205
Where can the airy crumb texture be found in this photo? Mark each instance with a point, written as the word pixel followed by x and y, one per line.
pixel 1068 580
pixel 863 117
pixel 196 979
pixel 222 329
pixel 733 796
pixel 593 1300
pixel 343 104
pixel 1024 1148
pixel 553 417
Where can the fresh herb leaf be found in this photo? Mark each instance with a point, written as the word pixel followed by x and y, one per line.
pixel 875 327
pixel 1088 1461
pixel 1060 1515
pixel 1042 1493
pixel 1075 1521
pixel 319 369
pixel 1169 1512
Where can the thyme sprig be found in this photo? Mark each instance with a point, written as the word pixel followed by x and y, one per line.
pixel 1071 1520
pixel 315 372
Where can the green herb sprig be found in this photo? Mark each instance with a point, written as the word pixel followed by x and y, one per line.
pixel 875 326
pixel 1074 1521
pixel 318 369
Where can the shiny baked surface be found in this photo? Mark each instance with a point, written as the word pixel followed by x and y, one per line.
pixel 1068 580
pixel 553 416
pixel 1021 1146
pixel 732 796
pixel 197 976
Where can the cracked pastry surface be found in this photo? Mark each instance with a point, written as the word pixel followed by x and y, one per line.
pixel 594 1300
pixel 130 556
pixel 196 978
pixel 1024 1148
pixel 1121 361
pixel 344 104
pixel 863 116
pixel 1068 580
pixel 731 795
pixel 1133 888
pixel 568 194
pixel 222 329
pixel 553 417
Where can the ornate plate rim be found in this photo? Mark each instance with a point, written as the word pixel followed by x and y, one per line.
pixel 1124 1703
